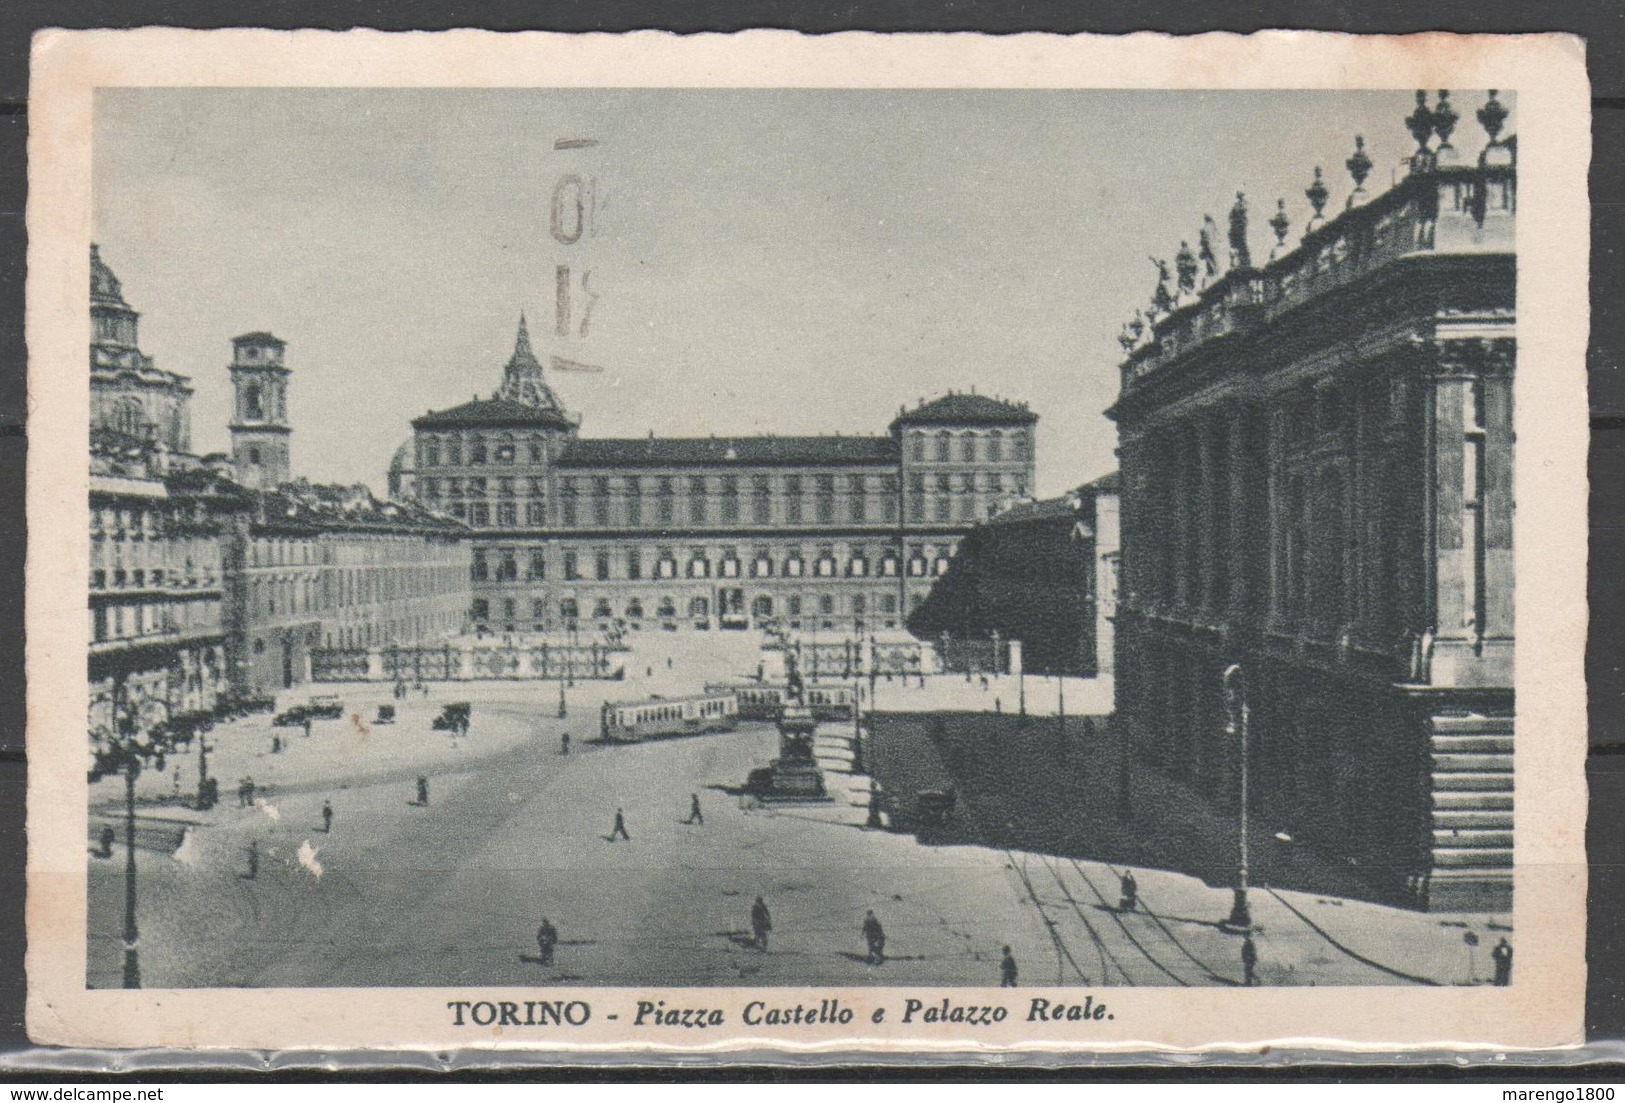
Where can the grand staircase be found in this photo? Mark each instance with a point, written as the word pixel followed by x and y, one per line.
pixel 1472 813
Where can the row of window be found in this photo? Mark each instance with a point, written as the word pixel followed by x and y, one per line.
pixel 943 446
pixel 763 606
pixel 154 578
pixel 503 565
pixel 119 622
pixel 315 592
pixel 972 447
pixel 761 488
pixel 506 514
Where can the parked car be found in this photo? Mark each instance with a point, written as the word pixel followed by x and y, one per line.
pixel 453 717
pixel 294 717
pixel 326 707
pixel 386 714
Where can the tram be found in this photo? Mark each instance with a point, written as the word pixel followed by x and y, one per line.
pixel 663 717
pixel 828 701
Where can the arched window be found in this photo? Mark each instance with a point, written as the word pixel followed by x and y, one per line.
pixel 967 447
pixel 945 446
pixel 762 607
pixel 995 447
pixel 917 446
pixel 568 609
pixel 600 609
pixel 431 453
pixel 699 607
pixel 668 608
pixel 253 402
pixel 254 457
pixel 634 609
pixel 127 416
pixel 1018 446
pixel 476 450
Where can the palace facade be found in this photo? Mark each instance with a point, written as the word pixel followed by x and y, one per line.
pixel 1317 459
pixel 838 533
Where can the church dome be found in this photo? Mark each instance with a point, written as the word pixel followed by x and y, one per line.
pixel 105 289
pixel 400 478
pixel 402 460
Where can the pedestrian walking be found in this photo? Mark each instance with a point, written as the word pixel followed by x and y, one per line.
pixel 668 662
pixel 1130 890
pixel 874 936
pixel 1007 969
pixel 694 813
pixel 327 817
pixel 307 727
pixel 546 939
pixel 1502 957
pixel 619 830
pixel 107 837
pixel 245 793
pixel 253 860
pixel 276 744
pixel 564 743
pixel 423 790
pixel 760 923
pixel 1249 961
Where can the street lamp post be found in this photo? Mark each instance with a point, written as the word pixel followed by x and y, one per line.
pixel 857 725
pixel 1236 720
pixel 132 959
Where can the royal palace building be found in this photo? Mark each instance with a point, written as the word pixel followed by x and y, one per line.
pixel 839 533
pixel 1317 488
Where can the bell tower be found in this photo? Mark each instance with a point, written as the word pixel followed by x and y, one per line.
pixel 259 426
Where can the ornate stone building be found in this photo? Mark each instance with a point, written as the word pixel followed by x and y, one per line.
pixel 129 394
pixel 332 568
pixel 260 432
pixel 838 533
pixel 1317 459
pixel 213 575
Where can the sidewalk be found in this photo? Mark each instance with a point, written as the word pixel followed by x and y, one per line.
pixel 952 693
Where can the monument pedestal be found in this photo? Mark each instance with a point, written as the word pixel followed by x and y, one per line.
pixel 794 776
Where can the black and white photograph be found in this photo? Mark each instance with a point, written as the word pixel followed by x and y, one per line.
pixel 810 539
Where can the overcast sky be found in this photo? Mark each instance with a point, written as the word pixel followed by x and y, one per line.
pixel 765 261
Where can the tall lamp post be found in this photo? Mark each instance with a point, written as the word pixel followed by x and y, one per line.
pixel 132 934
pixel 1235 728
pixel 126 754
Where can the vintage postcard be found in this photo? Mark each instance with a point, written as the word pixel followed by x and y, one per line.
pixel 847 544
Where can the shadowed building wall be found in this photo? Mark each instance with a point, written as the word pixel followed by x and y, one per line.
pixel 1317 485
pixel 1031 573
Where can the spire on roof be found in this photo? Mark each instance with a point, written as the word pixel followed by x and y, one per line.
pixel 522 355
pixel 522 378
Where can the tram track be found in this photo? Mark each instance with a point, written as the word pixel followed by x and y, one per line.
pixel 1063 953
pixel 1346 951
pixel 1123 926
pixel 1146 910
pixel 1105 951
